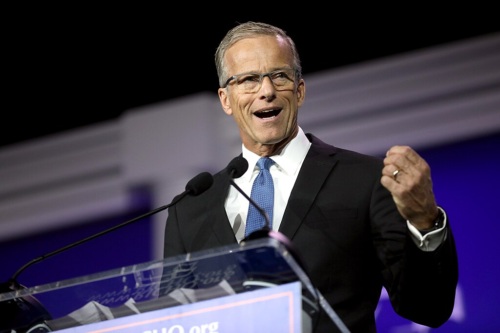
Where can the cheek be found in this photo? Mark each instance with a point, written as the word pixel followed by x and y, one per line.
pixel 239 106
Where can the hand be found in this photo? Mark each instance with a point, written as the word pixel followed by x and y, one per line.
pixel 408 177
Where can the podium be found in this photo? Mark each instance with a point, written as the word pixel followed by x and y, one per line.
pixel 255 286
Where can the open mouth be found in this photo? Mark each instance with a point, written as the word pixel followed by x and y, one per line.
pixel 267 113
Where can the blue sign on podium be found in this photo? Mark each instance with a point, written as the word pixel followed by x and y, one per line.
pixel 276 309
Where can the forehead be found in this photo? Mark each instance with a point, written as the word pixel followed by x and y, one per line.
pixel 258 54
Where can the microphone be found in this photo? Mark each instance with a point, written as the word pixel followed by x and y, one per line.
pixel 236 168
pixel 28 310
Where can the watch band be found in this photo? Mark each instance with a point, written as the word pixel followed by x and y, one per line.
pixel 438 223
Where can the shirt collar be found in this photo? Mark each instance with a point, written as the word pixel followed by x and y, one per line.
pixel 288 161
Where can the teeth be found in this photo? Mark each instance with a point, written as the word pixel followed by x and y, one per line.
pixel 267 113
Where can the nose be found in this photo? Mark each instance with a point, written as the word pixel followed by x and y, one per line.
pixel 267 86
pixel 268 76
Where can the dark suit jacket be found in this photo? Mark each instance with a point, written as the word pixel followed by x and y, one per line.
pixel 347 231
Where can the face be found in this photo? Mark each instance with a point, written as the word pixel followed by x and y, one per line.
pixel 267 118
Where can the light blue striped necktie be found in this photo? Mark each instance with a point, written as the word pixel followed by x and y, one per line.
pixel 263 195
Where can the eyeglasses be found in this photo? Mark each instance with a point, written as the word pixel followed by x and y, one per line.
pixel 248 83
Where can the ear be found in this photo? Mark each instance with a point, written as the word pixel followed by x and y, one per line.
pixel 301 92
pixel 224 101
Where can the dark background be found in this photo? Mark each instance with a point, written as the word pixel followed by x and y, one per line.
pixel 68 66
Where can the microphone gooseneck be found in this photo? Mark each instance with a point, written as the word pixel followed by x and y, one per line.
pixel 236 168
pixel 195 186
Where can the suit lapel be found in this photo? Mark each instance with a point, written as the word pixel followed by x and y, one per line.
pixel 216 212
pixel 317 165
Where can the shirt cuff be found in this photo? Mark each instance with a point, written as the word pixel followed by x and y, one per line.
pixel 431 240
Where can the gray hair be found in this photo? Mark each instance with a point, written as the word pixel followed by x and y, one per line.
pixel 248 30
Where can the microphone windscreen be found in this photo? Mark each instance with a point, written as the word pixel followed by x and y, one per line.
pixel 237 167
pixel 200 183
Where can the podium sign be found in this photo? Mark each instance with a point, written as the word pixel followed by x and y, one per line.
pixel 266 310
pixel 256 284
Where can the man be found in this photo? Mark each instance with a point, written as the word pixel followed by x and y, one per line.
pixel 359 223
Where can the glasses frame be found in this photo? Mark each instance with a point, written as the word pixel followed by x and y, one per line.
pixel 262 76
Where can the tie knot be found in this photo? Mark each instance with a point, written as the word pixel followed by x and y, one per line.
pixel 264 163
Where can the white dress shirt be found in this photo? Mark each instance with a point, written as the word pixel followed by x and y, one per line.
pixel 284 172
